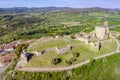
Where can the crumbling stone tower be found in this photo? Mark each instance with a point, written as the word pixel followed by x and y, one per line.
pixel 102 32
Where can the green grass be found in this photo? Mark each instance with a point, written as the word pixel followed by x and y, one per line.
pixel 117 29
pixel 52 24
pixel 39 46
pixel 103 69
pixel 86 52
pixel 69 24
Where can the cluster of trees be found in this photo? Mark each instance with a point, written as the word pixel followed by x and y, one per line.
pixel 20 48
pixel 12 25
pixel 50 31
pixel 8 17
pixel 22 22
pixel 73 59
pixel 56 61
pixel 27 25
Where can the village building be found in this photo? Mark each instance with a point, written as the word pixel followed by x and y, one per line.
pixel 6 58
pixel 1 48
pixel 9 46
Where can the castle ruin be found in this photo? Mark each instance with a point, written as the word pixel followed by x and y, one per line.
pixel 102 32
pixel 92 39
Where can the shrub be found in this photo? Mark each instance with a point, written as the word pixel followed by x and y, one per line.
pixel 68 62
pixel 76 54
pixel 55 61
pixel 92 60
pixel 72 59
pixel 20 48
pixel 72 36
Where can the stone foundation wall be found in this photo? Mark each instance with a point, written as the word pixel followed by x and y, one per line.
pixel 56 49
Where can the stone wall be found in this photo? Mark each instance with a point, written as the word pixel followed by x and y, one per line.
pixel 56 49
pixel 102 32
pixel 85 40
pixel 23 60
pixel 64 50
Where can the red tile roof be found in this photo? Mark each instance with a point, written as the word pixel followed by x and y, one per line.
pixel 7 58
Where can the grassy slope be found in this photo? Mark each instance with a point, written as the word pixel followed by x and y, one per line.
pixel 102 69
pixel 86 52
pixel 105 69
pixel 117 29
pixel 39 46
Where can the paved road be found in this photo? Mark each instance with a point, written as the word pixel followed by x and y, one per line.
pixel 72 66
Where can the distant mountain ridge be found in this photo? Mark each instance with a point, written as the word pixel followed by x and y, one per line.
pixel 46 9
pixel 34 9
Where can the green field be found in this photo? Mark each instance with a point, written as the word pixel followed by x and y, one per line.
pixel 86 52
pixel 116 29
pixel 40 24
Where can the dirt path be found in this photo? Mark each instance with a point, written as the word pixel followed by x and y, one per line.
pixel 72 66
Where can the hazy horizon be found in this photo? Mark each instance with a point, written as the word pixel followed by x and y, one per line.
pixel 60 3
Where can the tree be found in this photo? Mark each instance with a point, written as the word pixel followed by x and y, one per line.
pixel 20 48
pixel 72 59
pixel 92 60
pixel 76 54
pixel 72 36
pixel 68 62
pixel 55 61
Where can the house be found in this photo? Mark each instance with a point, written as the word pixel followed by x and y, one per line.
pixel 9 46
pixel 1 48
pixel 7 58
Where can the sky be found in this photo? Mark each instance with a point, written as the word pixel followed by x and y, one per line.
pixel 60 3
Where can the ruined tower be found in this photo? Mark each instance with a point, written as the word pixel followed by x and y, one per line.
pixel 102 32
